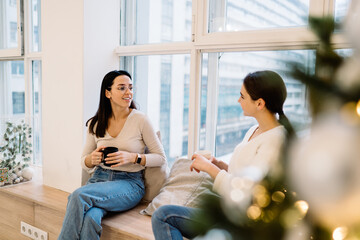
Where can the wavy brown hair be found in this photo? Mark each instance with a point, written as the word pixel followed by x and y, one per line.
pixel 104 111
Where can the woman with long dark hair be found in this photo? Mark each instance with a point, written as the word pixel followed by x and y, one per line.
pixel 117 183
pixel 262 96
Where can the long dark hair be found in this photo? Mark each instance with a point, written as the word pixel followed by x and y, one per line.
pixel 269 86
pixel 104 111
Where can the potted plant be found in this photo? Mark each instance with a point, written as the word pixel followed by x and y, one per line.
pixel 15 152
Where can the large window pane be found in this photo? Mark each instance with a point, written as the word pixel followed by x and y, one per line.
pixel 161 90
pixel 8 24
pixel 12 89
pixel 240 15
pixel 231 125
pixel 12 94
pixel 13 97
pixel 144 22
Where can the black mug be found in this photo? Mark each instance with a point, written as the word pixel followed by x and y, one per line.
pixel 106 151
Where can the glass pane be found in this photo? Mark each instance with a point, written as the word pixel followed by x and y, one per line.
pixel 12 94
pixel 341 9
pixel 36 114
pixel 8 24
pixel 240 15
pixel 144 22
pixel 35 25
pixel 345 52
pixel 232 68
pixel 161 90
pixel 12 90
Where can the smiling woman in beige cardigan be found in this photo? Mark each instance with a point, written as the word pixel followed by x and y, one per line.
pixel 117 183
pixel 262 96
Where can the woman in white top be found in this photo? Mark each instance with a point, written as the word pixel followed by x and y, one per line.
pixel 117 184
pixel 262 96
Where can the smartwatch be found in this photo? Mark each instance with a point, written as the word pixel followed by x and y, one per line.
pixel 138 161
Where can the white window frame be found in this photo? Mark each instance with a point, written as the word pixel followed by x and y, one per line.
pixel 295 38
pixel 24 53
pixel 16 52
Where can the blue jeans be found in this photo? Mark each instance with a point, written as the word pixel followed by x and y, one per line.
pixel 106 191
pixel 173 222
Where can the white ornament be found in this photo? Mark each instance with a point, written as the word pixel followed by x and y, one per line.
pixel 17 180
pixel 325 172
pixel 12 176
pixel 18 173
pixel 28 173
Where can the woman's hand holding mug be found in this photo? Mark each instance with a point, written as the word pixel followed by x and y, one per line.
pixel 96 156
pixel 119 158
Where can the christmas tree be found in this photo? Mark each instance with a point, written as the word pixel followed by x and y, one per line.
pixel 316 194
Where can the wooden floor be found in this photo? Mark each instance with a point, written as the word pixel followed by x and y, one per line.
pixel 44 207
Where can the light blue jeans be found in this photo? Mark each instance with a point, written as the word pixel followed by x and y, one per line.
pixel 173 222
pixel 106 191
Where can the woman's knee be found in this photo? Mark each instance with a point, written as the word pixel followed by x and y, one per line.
pixel 162 213
pixel 76 194
pixel 80 194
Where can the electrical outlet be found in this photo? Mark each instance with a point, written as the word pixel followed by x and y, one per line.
pixel 33 232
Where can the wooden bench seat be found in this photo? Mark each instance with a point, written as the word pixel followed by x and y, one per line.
pixel 44 207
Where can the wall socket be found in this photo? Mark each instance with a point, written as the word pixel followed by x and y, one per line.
pixel 33 232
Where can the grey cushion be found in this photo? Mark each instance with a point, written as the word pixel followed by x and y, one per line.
pixel 154 179
pixel 182 187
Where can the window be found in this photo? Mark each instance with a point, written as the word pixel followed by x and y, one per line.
pixel 36 110
pixel 240 15
pixel 17 68
pixel 12 89
pixel 230 125
pixel 161 84
pixel 144 22
pixel 9 27
pixel 12 2
pixel 20 68
pixel 13 33
pixel 35 28
pixel 218 42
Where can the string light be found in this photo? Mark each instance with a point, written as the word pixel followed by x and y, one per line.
pixel 340 233
pixel 278 196
pixel 358 108
pixel 302 206
pixel 253 212
pixel 261 196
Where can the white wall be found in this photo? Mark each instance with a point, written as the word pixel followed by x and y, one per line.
pixel 78 40
pixel 101 36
